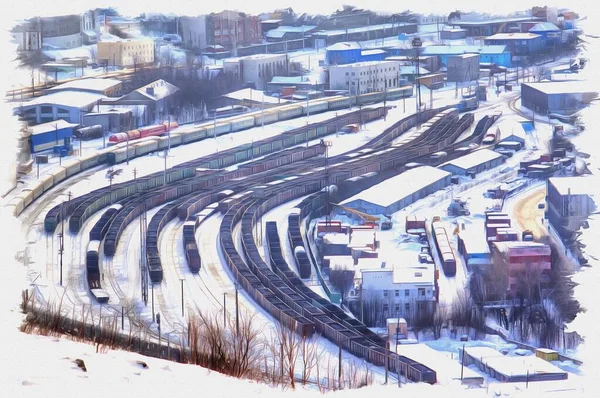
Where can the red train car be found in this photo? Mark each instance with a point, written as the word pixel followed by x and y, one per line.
pixel 148 131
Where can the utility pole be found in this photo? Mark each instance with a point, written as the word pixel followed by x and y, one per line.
pixel 462 363
pixel 62 239
pixel 224 309
pixel 165 170
pixel 416 44
pixel 237 313
pixel 181 297
pixel 127 150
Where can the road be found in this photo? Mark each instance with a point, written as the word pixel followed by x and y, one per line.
pixel 527 214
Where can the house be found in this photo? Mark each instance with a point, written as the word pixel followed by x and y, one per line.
pixel 519 44
pixel 283 33
pixel 499 55
pixel 107 87
pixel 550 32
pixel 563 97
pixel 453 33
pixel 399 191
pixel 149 103
pixel 474 163
pixel 67 105
pixel 45 136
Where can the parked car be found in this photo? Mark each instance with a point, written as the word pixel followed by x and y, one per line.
pixel 349 129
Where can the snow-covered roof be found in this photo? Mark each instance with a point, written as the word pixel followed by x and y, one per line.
pixel 561 87
pixel 412 70
pixel 73 99
pixel 423 275
pixel 544 27
pixel 336 239
pixel 474 159
pixel 293 29
pixel 249 94
pixel 343 46
pixel 578 185
pixel 372 52
pixel 162 89
pixel 363 64
pixel 263 56
pixel 513 36
pixel 531 247
pixel 474 240
pixel 455 50
pixel 271 21
pixel 371 28
pixel 113 111
pixel 92 84
pixel 512 365
pixel 50 126
pixel 399 187
pixel 290 79
pixel 494 21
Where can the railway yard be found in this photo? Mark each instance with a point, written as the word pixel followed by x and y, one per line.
pixel 219 217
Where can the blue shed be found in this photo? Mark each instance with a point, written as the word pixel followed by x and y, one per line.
pixel 46 136
pixel 550 32
pixel 496 54
pixel 343 53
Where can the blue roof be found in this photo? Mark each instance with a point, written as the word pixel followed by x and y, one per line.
pixel 544 27
pixel 455 50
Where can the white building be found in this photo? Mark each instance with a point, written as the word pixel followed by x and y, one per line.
pixel 398 290
pixel 126 53
pixel 364 77
pixel 261 68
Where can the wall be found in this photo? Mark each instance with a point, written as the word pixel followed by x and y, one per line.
pixel 262 69
pixel 70 41
pixel 194 32
pixel 364 78
pixel 124 53
pixel 43 113
pixel 462 68
pixel 42 142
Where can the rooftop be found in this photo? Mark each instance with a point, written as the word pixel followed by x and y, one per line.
pixel 290 79
pixel 363 64
pixel 249 94
pixel 338 32
pixel 271 21
pixel 523 245
pixel 414 275
pixel 474 239
pixel 512 365
pixel 412 70
pixel 162 89
pixel 75 99
pixel 474 159
pixel 352 45
pixel 92 84
pixel 512 36
pixel 494 21
pixel 294 29
pixel 544 27
pixel 561 87
pixel 50 126
pixel 578 185
pixel 455 50
pixel 263 56
pixel 372 52
pixel 399 187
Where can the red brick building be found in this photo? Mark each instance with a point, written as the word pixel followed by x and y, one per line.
pixel 525 260
pixel 233 28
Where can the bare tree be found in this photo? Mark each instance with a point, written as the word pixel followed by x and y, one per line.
pixel 309 355
pixel 94 53
pixel 342 280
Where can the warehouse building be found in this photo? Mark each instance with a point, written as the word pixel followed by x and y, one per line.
pixel 463 68
pixel 569 203
pixel 112 120
pixel 498 55
pixel 351 52
pixel 400 191
pixel 261 68
pixel 473 246
pixel 474 163
pixel 525 260
pixel 44 136
pixel 519 44
pixel 491 26
pixel 325 38
pixel 453 33
pixel 67 105
pixel 556 97
pixel 551 33
pixel 283 33
pixel 107 87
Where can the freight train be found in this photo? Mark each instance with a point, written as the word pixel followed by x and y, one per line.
pixel 156 130
pixel 443 247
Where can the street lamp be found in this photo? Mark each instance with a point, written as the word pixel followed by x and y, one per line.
pixel 417 44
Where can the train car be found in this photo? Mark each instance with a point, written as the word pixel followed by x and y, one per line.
pixel 196 134
pixel 242 123
pixel 89 132
pixel 444 249
pixel 266 117
pixel 290 112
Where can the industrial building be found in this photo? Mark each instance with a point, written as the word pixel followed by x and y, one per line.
pixel 400 191
pixel 348 53
pixel 569 203
pixel 261 68
pixel 474 163
pixel 463 68
pixel 550 32
pixel 491 26
pixel 519 44
pixel 512 135
pixel 473 246
pixel 429 62
pixel 249 97
pixel 325 38
pixel 279 83
pixel 59 32
pixel 126 53
pixel 112 120
pixel 525 260
pixel 67 105
pixel 107 87
pixel 283 33
pixel 556 97
pixel 453 33
pixel 45 136
pixel 364 77
pixel 498 55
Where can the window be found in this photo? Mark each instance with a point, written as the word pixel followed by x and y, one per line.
pixel 421 292
pixel 386 307
pixel 46 109
pixel 397 308
pixel 397 293
pixel 385 293
pixel 406 293
pixel 407 307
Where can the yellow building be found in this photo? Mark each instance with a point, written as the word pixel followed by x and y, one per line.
pixel 126 53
